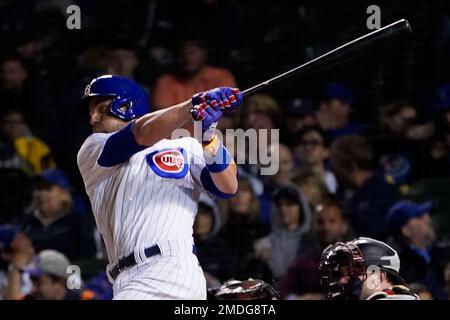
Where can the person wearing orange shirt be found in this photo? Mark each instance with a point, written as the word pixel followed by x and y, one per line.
pixel 193 75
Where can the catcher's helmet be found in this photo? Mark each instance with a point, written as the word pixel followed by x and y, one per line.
pixel 377 253
pixel 353 259
pixel 130 100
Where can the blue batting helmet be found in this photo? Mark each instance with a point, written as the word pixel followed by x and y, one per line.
pixel 130 100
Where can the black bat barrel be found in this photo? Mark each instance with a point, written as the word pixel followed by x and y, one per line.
pixel 353 49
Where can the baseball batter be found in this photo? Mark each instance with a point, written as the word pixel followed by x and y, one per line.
pixel 144 188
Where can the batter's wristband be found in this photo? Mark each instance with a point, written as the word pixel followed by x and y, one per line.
pixel 220 161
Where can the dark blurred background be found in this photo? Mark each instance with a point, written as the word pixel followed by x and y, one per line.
pixel 374 131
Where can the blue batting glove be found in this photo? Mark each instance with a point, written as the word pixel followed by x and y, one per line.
pixel 209 106
pixel 227 99
pixel 223 99
pixel 209 116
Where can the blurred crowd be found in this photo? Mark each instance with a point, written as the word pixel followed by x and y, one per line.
pixel 364 148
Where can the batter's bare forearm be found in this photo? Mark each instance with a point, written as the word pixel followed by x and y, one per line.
pixel 226 180
pixel 160 124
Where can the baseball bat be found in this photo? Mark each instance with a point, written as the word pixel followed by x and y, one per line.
pixel 350 50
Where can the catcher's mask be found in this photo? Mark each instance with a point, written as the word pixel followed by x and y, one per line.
pixel 251 289
pixel 352 261
pixel 338 261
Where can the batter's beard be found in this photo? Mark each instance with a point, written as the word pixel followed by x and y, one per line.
pixel 101 129
pixel 98 130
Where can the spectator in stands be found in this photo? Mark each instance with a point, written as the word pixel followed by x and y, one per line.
pixel 261 112
pixel 299 114
pixel 334 112
pixel 402 132
pixel 122 61
pixel 366 194
pixel 9 159
pixel 261 115
pixel 34 154
pixel 49 272
pixel 243 226
pixel 210 249
pixel 21 155
pixel 397 170
pixel 193 75
pixel 311 150
pixel 45 84
pixel 286 168
pixel 400 119
pixel 312 186
pixel 285 174
pixel 423 259
pixel 13 75
pixel 291 219
pixel 30 48
pixel 435 154
pixel 32 94
pixel 14 92
pixel 18 254
pixel 302 280
pixel 52 224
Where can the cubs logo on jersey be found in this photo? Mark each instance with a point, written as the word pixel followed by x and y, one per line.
pixel 168 163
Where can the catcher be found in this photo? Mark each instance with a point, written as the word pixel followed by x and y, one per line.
pixel 363 269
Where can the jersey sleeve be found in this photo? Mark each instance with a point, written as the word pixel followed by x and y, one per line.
pixel 102 153
pixel 201 174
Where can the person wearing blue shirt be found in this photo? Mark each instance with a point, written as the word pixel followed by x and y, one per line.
pixel 423 258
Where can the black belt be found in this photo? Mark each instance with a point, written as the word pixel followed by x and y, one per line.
pixel 129 261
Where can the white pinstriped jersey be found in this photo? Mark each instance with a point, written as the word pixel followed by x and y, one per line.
pixel 150 199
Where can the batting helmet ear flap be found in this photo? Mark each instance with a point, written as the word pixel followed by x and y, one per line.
pixel 122 108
